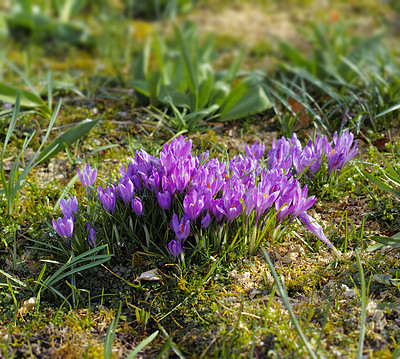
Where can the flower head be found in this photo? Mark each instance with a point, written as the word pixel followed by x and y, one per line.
pixel 64 227
pixel 181 228
pixel 91 235
pixel 126 190
pixel 175 248
pixel 314 227
pixel 339 152
pixel 205 221
pixel 87 176
pixel 263 197
pixel 193 205
pixel 164 200
pixel 69 207
pixel 280 154
pixel 108 198
pixel 137 206
pixel 255 151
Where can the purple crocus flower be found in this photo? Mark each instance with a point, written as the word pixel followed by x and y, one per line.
pixel 310 223
pixel 178 147
pixel 137 206
pixel 285 199
pixel 205 221
pixel 164 200
pixel 301 202
pixel 87 176
pixel 280 154
pixel 256 150
pixel 108 198
pixel 126 190
pixel 64 226
pixel 69 207
pixel 181 228
pixel 231 205
pixel 175 248
pixel 193 204
pixel 248 200
pixel 154 180
pixel 180 176
pixel 307 157
pixel 216 208
pixel 339 152
pixel 91 235
pixel 263 198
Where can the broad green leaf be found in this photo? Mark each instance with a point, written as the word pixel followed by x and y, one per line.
pixel 206 85
pixel 383 186
pixel 159 52
pixel 178 98
pixel 141 65
pixel 231 74
pixel 393 241
pixel 9 94
pixel 189 66
pixel 244 101
pixel 68 138
pixel 141 87
pixel 153 84
pixel 219 93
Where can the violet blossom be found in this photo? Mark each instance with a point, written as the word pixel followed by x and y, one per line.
pixel 108 198
pixel 69 207
pixel 87 176
pixel 181 228
pixel 175 248
pixel 64 226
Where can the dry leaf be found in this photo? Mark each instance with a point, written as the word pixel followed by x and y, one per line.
pixel 27 306
pixel 150 275
pixel 300 111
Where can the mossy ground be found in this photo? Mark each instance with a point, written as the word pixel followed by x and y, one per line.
pixel 234 312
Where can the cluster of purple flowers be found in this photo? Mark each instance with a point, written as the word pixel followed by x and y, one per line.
pixel 290 154
pixel 214 193
pixel 69 208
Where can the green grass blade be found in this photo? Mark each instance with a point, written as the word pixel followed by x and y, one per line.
pixel 66 190
pixel 12 123
pixel 23 77
pixel 68 138
pixel 363 309
pixel 390 109
pixel 383 186
pixel 171 343
pixel 285 298
pixel 10 130
pixel 142 345
pixel 11 277
pixel 50 89
pixel 293 55
pixel 110 334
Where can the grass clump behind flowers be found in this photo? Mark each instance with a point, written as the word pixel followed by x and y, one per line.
pixel 176 203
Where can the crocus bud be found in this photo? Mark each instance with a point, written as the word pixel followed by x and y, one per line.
pixel 175 248
pixel 137 206
pixel 69 207
pixel 87 176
